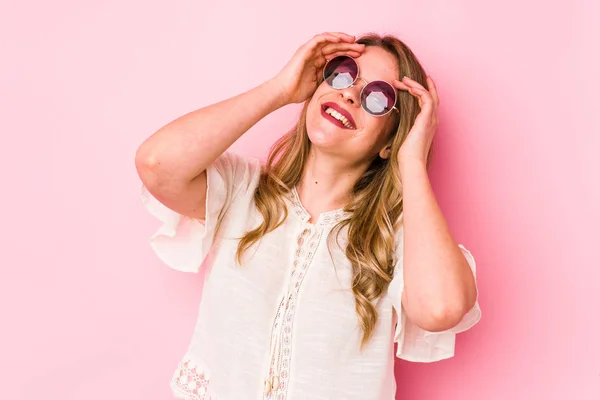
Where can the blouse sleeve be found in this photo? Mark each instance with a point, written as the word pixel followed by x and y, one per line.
pixel 183 242
pixel 418 345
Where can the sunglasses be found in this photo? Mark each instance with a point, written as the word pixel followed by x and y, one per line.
pixel 377 98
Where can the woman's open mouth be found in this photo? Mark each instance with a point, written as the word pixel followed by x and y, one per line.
pixel 336 117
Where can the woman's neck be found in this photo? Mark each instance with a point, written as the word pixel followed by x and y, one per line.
pixel 326 183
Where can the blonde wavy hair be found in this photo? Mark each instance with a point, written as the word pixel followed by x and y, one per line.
pixel 376 204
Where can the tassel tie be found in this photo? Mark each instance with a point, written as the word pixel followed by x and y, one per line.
pixel 273 380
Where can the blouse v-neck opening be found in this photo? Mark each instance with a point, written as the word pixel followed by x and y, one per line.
pixel 325 218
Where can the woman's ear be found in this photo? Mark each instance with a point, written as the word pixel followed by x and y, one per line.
pixel 386 152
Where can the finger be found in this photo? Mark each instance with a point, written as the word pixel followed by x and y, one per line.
pixel 416 88
pixel 320 62
pixel 343 36
pixel 433 90
pixel 351 53
pixel 398 84
pixel 313 46
pixel 330 48
pixel 422 95
pixel 324 38
pixel 420 90
pixel 318 41
pixel 412 83
pixel 425 94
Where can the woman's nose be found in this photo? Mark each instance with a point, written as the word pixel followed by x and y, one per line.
pixel 350 95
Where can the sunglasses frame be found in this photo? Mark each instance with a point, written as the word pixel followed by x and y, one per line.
pixel 363 88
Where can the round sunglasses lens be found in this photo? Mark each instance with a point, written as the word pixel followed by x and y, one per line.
pixel 340 72
pixel 378 97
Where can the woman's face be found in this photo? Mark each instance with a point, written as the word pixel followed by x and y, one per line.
pixel 368 136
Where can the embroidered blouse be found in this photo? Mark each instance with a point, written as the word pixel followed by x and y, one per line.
pixel 283 326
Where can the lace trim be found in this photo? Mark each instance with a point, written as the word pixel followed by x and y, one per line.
pixel 307 244
pixel 325 219
pixel 191 382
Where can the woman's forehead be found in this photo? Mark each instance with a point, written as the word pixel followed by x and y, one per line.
pixel 376 63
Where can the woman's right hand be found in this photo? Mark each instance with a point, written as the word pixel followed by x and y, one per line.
pixel 298 79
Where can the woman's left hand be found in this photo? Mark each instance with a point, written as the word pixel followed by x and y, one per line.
pixel 419 139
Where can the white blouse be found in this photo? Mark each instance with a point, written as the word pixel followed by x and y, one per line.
pixel 288 311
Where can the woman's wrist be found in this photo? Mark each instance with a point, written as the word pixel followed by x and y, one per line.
pixel 275 90
pixel 411 163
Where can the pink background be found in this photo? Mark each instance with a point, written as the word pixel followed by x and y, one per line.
pixel 90 313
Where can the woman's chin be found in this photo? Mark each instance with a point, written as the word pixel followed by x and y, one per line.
pixel 323 137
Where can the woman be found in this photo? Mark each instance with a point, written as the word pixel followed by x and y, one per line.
pixel 320 260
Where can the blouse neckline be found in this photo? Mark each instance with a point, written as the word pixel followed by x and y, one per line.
pixel 324 219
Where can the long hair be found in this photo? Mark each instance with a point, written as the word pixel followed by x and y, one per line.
pixel 376 204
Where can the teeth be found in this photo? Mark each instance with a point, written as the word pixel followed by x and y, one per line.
pixel 339 117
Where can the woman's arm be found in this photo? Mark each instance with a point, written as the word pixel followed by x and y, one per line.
pixel 439 286
pixel 172 162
